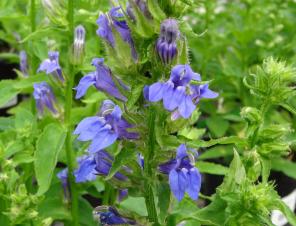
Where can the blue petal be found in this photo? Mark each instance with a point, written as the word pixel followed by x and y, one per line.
pixel 186 107
pixel 156 92
pixel 178 183
pixel 103 139
pixel 172 97
pixel 88 128
pixel 85 171
pixel 181 151
pixel 205 92
pixel 194 183
pixel 84 84
pixel 116 113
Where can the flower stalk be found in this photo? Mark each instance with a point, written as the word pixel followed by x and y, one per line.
pixel 148 168
pixel 68 106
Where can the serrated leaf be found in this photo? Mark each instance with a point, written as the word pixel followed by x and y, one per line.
pixel 48 147
pixel 223 140
pixel 7 91
pixel 217 125
pixel 216 152
pixel 136 205
pixel 122 158
pixel 192 133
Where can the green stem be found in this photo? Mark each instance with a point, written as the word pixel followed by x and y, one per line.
pixel 33 29
pixel 148 169
pixel 68 107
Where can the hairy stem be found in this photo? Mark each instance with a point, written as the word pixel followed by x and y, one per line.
pixel 68 107
pixel 148 169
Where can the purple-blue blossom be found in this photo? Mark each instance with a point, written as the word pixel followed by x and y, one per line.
pixel 79 44
pixel 104 129
pixel 63 176
pixel 183 175
pixel 109 216
pixel 178 94
pixel 23 63
pixel 44 98
pixel 101 78
pixel 115 19
pixel 166 45
pixel 89 166
pixel 52 66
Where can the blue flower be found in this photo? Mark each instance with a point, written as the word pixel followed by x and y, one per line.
pixel 105 129
pixel 122 194
pixel 109 216
pixel 101 78
pixel 89 166
pixel 183 176
pixel 177 93
pixel 79 44
pixel 116 20
pixel 23 63
pixel 52 66
pixel 44 97
pixel 63 176
pixel 166 45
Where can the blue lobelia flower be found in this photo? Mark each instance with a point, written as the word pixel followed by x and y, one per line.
pixel 101 78
pixel 52 66
pixel 104 129
pixel 89 166
pixel 44 97
pixel 23 63
pixel 115 19
pixel 109 216
pixel 183 176
pixel 177 93
pixel 166 45
pixel 63 176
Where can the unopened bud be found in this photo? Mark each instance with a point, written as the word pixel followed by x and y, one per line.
pixel 79 44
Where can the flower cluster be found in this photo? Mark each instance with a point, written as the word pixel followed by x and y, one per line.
pixel 109 216
pixel 178 94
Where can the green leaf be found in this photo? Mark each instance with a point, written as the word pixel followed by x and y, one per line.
pixel 192 133
pixel 122 158
pixel 285 166
pixel 134 96
pixel 216 152
pixel 85 211
pixel 7 91
pixel 211 168
pixel 223 140
pixel 213 214
pixel 217 125
pixel 155 10
pixel 24 118
pixel 136 205
pixel 48 147
pixel 164 194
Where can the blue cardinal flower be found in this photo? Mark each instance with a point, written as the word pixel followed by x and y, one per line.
pixel 63 176
pixel 115 19
pixel 100 163
pixel 183 176
pixel 101 78
pixel 177 93
pixel 104 129
pixel 52 66
pixel 166 45
pixel 44 97
pixel 109 216
pixel 23 63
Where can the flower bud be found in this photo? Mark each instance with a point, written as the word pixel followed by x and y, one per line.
pixel 251 115
pixel 23 63
pixel 79 44
pixel 166 45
